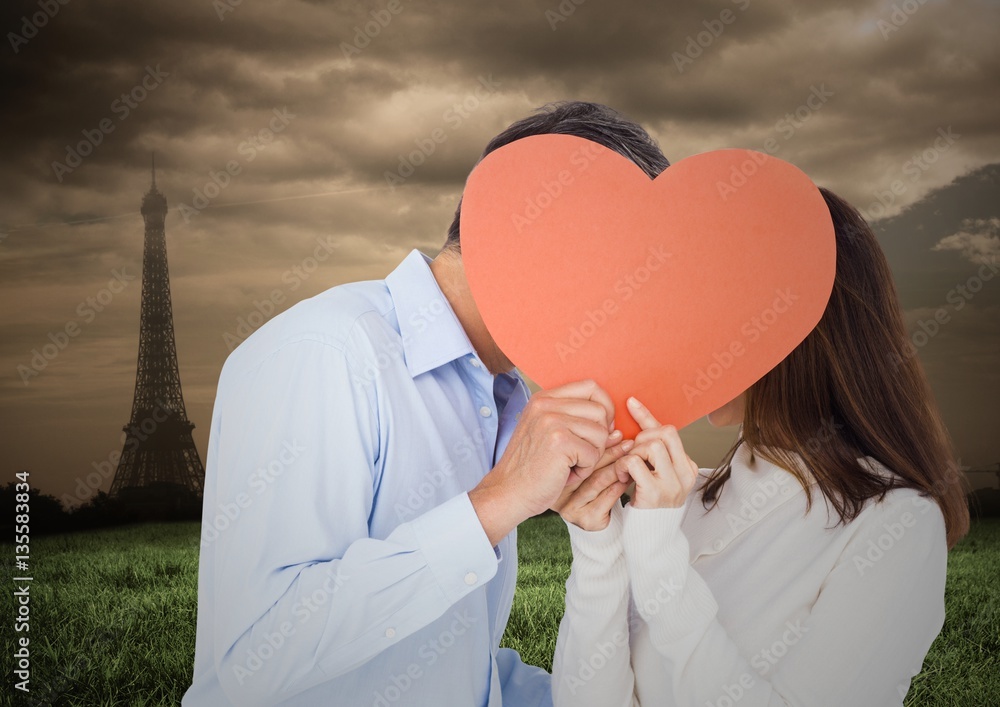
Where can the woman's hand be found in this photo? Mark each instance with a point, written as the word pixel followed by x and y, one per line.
pixel 587 502
pixel 663 473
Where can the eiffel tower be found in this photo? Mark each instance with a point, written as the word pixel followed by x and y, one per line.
pixel 160 472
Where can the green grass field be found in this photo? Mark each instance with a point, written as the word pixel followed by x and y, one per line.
pixel 113 615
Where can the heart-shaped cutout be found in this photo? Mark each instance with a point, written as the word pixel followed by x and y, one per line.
pixel 682 291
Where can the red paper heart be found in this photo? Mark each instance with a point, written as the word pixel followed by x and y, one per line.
pixel 682 291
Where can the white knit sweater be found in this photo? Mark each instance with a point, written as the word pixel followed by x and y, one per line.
pixel 754 602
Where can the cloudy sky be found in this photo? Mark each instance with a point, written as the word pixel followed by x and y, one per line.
pixel 904 122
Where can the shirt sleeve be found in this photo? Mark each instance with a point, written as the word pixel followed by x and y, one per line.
pixel 865 638
pixel 521 684
pixel 302 594
pixel 592 663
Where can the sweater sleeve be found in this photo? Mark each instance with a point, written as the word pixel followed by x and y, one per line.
pixel 592 659
pixel 873 621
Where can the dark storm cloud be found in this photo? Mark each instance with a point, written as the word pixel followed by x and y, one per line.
pixel 314 104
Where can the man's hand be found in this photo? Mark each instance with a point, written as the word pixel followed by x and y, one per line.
pixel 561 430
pixel 587 503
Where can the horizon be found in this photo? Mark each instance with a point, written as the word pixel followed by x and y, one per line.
pixel 301 146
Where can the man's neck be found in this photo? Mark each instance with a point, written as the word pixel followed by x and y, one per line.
pixel 449 271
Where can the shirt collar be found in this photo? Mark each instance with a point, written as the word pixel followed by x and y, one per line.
pixel 755 488
pixel 431 333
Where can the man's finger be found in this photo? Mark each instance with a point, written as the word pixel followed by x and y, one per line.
pixel 587 390
pixel 573 482
pixel 579 407
pixel 613 454
pixel 610 456
pixel 594 433
pixel 582 453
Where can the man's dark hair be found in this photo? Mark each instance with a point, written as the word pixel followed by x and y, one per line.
pixel 591 121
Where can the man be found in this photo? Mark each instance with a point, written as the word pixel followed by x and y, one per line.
pixel 371 453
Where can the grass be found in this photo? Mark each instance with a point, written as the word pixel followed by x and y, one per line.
pixel 113 615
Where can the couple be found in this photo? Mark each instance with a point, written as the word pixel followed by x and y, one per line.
pixel 372 453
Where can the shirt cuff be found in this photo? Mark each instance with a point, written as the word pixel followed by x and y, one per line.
pixel 456 547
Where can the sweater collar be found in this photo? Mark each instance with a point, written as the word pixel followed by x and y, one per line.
pixel 756 487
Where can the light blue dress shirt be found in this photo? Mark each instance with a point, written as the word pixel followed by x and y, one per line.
pixel 341 560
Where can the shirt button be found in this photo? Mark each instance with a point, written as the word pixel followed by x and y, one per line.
pixel 475 363
pixel 390 633
pixel 717 545
pixel 471 578
pixel 485 411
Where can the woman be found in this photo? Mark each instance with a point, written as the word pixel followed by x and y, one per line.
pixel 809 568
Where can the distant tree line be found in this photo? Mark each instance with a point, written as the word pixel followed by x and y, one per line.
pixel 48 515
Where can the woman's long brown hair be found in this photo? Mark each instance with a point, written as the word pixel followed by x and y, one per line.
pixel 854 389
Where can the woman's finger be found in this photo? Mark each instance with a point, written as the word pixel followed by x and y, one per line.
pixel 678 456
pixel 636 467
pixel 641 414
pixel 607 498
pixel 693 479
pixel 656 455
